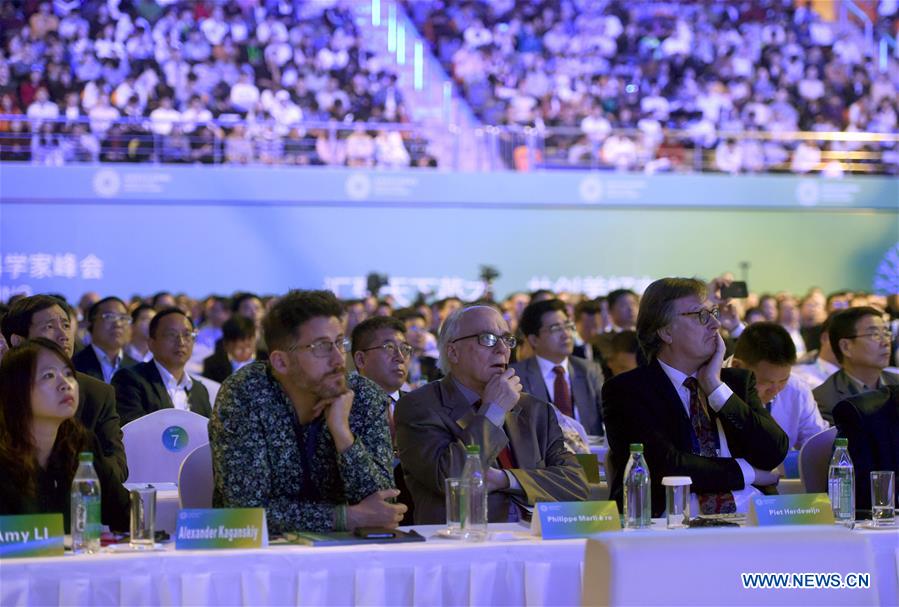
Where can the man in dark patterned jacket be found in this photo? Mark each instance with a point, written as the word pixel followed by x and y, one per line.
pixel 295 436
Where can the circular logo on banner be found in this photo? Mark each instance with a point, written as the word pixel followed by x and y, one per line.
pixel 174 438
pixel 591 189
pixel 107 183
pixel 358 186
pixel 807 193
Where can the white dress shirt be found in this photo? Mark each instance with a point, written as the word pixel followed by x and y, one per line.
pixel 178 390
pixel 716 400
pixel 814 374
pixel 107 366
pixel 796 412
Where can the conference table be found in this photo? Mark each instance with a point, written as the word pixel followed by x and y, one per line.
pixel 655 566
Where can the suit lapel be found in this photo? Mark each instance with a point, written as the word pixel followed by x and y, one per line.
pixel 517 428
pixel 162 394
pixel 535 379
pixel 453 401
pixel 669 403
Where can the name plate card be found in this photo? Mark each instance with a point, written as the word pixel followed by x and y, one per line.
pixel 795 509
pixel 563 520
pixel 31 535
pixel 215 528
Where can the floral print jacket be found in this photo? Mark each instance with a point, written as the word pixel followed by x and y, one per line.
pixel 263 458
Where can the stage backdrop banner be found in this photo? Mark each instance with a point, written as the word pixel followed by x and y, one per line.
pixel 121 229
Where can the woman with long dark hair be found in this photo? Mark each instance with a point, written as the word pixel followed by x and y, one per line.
pixel 40 439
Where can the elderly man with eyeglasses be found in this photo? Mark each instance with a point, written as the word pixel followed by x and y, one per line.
pixel 693 417
pixel 296 436
pixel 163 382
pixel 860 339
pixel 480 402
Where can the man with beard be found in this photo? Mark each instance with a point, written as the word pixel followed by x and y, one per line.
pixel 162 383
pixel 293 435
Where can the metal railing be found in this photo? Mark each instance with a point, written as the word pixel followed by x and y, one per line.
pixel 498 148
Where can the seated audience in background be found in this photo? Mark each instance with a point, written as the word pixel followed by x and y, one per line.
pixel 816 366
pixel 249 305
pixel 54 319
pixel 588 318
pixel 860 340
pixel 769 352
pixel 788 318
pixel 479 402
pixel 693 417
pixel 573 385
pixel 294 436
pixel 871 423
pixel 162 383
pixel 238 349
pixel 40 438
pixel 624 349
pixel 139 348
pixel 108 324
pixel 623 316
pixel 163 300
pixel 214 312
pixel 423 362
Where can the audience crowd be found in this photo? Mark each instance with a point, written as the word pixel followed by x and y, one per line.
pixel 272 373
pixel 196 82
pixel 605 82
pixel 651 86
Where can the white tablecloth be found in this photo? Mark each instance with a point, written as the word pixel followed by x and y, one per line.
pixel 439 572
pixel 658 566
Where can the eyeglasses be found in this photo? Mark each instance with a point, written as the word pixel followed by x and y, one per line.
pixel 704 314
pixel 114 319
pixel 489 340
pixel 174 337
pixel 566 327
pixel 391 349
pixel 322 348
pixel 879 335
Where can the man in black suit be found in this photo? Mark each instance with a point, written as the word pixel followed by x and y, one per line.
pixel 590 321
pixel 572 384
pixel 238 349
pixel 162 382
pixel 693 417
pixel 870 421
pixel 381 353
pixel 51 318
pixel 108 322
pixel 422 366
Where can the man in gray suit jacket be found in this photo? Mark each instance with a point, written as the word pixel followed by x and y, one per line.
pixel 573 384
pixel 480 402
pixel 860 339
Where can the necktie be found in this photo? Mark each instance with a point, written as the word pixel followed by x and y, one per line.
pixel 505 457
pixel 561 393
pixel 390 421
pixel 706 433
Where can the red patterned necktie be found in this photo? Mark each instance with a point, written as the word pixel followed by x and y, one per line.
pixel 561 393
pixel 505 457
pixel 706 431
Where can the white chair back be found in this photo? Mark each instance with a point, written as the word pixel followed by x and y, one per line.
pixel 156 444
pixel 814 458
pixel 195 479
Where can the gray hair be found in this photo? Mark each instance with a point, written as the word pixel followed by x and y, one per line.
pixel 449 331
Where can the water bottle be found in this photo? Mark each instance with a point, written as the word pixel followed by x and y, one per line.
pixel 85 503
pixel 637 496
pixel 474 497
pixel 841 484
